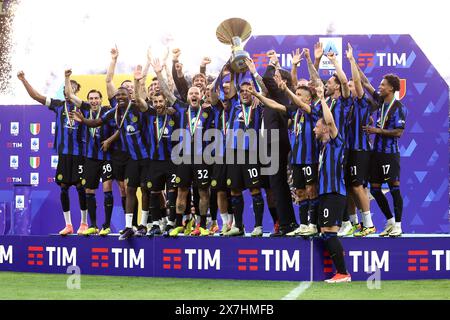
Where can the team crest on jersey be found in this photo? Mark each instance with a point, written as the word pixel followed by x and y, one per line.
pixel 171 123
pixel 134 119
pixel 213 183
pixel 149 184
pixel 205 115
pixel 83 182
pixel 130 129
pixel 229 182
pixel 59 177
pixel 178 180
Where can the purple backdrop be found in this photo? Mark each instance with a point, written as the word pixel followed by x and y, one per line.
pixel 26 132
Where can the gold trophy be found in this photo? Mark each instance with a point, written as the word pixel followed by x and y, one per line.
pixel 234 31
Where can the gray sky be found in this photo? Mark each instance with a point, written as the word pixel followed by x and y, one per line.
pixel 96 25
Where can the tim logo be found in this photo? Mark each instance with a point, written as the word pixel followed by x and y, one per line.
pixel 34 144
pixel 274 260
pixel 248 260
pixel 365 59
pixel 35 256
pixel 418 260
pixel 14 128
pixel 54 162
pixel 35 128
pixel 172 259
pixel 53 128
pixel 34 178
pixel 99 258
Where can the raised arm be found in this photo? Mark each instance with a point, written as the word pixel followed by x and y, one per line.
pixel 365 82
pixel 268 102
pixel 178 75
pixel 292 96
pixel 110 87
pixel 259 80
pixel 296 58
pixel 203 64
pixel 269 82
pixel 327 115
pixel 68 89
pixel 31 91
pixel 318 53
pixel 147 64
pixel 312 70
pixel 140 101
pixel 340 74
pixel 355 73
pixel 157 67
pixel 169 77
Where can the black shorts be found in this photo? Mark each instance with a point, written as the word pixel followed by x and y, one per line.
pixel 244 176
pixel 119 161
pixel 197 175
pixel 136 172
pixel 384 167
pixel 358 167
pixel 94 170
pixel 219 177
pixel 331 209
pixel 70 169
pixel 304 174
pixel 161 174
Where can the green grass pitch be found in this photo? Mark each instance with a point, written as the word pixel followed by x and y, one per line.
pixel 24 286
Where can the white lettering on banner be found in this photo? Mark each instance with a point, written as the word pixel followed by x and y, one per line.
pixel 392 59
pixel 371 260
pixel 6 256
pixel 438 254
pixel 287 262
pixel 205 260
pixel 63 257
pixel 129 258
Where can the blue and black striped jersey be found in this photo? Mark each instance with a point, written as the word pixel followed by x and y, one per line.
pixel 95 136
pixel 131 124
pixel 70 135
pixel 331 166
pixel 389 116
pixel 357 139
pixel 304 146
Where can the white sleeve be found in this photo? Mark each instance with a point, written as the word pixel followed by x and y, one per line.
pixel 48 101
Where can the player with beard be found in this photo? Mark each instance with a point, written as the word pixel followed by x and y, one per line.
pixel 161 170
pixel 194 120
